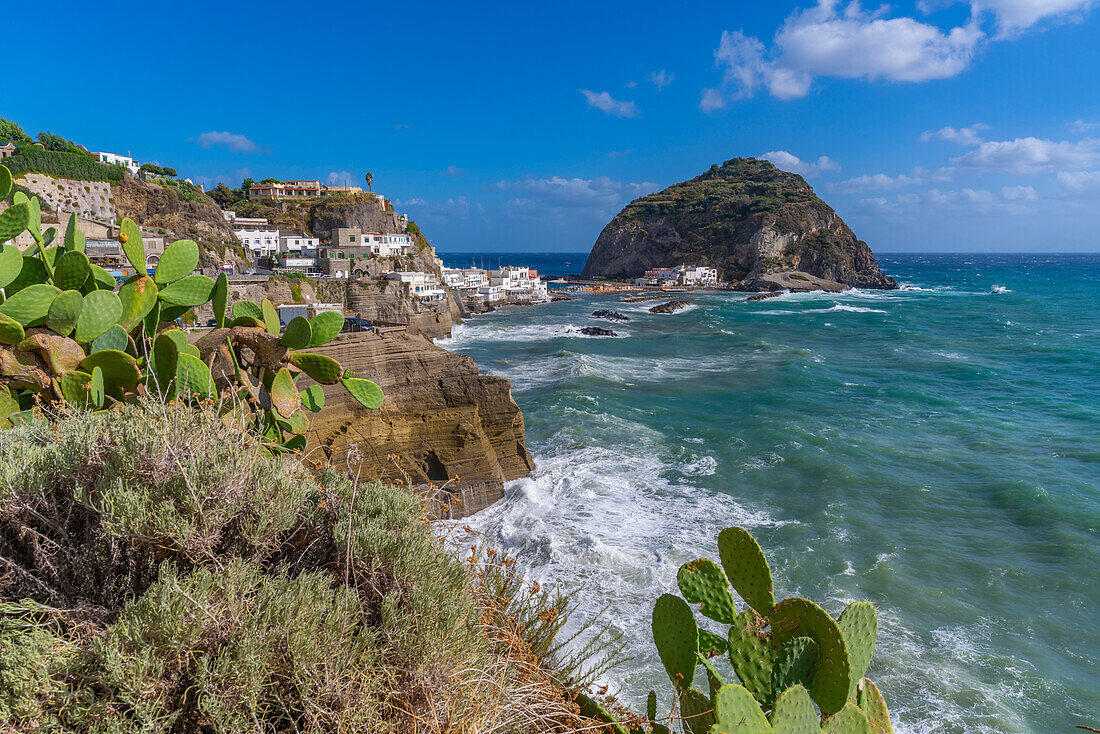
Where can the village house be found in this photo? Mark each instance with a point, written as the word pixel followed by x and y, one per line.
pixel 119 160
pixel 298 244
pixel 422 285
pixel 287 191
pixel 7 150
pixel 518 284
pixel 257 235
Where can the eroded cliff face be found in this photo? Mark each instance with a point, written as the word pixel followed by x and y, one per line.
pixel 160 207
pixel 441 422
pixel 746 218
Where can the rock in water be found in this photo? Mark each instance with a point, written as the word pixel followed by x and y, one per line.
pixel 597 331
pixel 753 222
pixel 603 313
pixel 669 307
pixel 765 296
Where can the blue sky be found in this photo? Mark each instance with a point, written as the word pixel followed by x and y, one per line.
pixel 928 126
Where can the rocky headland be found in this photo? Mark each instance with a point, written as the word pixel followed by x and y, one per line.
pixel 761 227
pixel 442 422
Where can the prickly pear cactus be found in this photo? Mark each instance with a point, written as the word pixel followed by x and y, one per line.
pixel 800 670
pixel 70 334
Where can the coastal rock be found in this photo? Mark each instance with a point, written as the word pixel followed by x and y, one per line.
pixel 764 296
pixel 746 218
pixel 441 422
pixel 597 331
pixel 604 313
pixel 669 306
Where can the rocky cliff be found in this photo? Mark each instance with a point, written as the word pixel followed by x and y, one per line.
pixel 161 207
pixel 442 421
pixel 747 218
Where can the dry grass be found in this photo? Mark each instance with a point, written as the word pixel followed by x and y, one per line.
pixel 162 572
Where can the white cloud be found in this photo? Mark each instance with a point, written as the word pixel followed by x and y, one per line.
pixel 712 100
pixel 845 42
pixel 619 153
pixel 227 140
pixel 1080 126
pixel 874 182
pixel 607 104
pixel 1014 16
pixel 661 79
pixel 452 172
pixel 602 194
pixel 456 207
pixel 1019 193
pixel 1079 182
pixel 339 178
pixel 961 136
pixel 631 84
pixel 788 162
pixel 1009 200
pixel 1033 155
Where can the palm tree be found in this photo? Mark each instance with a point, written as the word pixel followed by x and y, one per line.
pixel 370 181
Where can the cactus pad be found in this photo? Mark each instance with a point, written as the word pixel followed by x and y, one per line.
pixel 98 392
pixel 248 308
pixel 321 368
pixel 120 371
pixel 284 395
pixel 76 388
pixel 297 333
pixel 677 638
pixel 849 720
pixel 193 290
pixel 746 568
pixel 751 655
pixel 313 398
pixel 797 617
pixel 270 317
pixel 31 272
pixel 114 338
pixel 138 296
pixel 370 395
pixel 178 260
pixel 100 279
pixel 100 311
pixel 71 270
pixel 11 331
pixel 737 712
pixel 5 182
pixel 711 644
pixel 219 297
pixel 11 262
pixel 651 707
pixel 129 237
pixel 859 625
pixel 702 582
pixel 870 701
pixel 697 712
pixel 74 239
pixel 61 354
pixel 64 312
pixel 164 358
pixel 325 326
pixel 193 377
pixel 30 305
pixel 13 221
pixel 795 664
pixel 794 713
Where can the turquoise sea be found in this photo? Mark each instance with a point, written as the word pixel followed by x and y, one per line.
pixel 935 450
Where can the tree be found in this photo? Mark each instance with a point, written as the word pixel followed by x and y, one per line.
pixel 169 172
pixel 370 181
pixel 12 131
pixel 223 196
pixel 55 142
pixel 245 186
pixel 151 168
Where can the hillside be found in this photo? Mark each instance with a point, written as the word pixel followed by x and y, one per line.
pixel 747 218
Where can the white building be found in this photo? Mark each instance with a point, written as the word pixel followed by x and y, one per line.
pixel 119 160
pixel 386 245
pixel 453 277
pixel 298 243
pixel 422 285
pixel 700 276
pixel 518 284
pixel 257 235
pixel 489 295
